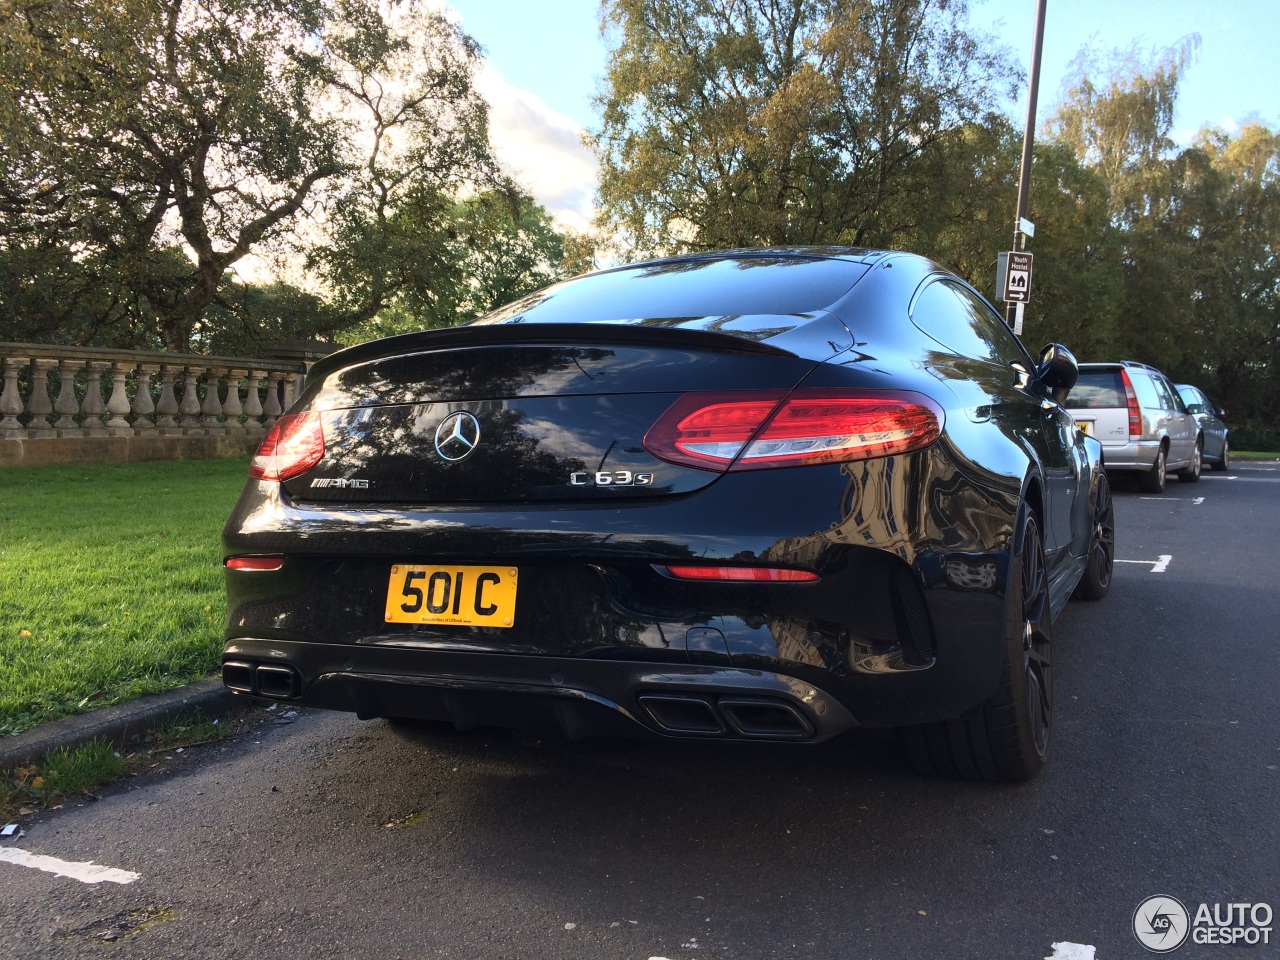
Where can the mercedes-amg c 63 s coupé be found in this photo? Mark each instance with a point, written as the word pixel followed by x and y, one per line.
pixel 758 495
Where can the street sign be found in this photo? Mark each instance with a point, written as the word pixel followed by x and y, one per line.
pixel 1017 278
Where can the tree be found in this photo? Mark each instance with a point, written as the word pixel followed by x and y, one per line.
pixel 1229 214
pixel 1116 112
pixel 1192 234
pixel 1115 115
pixel 148 146
pixel 500 245
pixel 749 122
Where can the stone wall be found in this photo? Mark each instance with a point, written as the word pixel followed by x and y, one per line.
pixel 80 405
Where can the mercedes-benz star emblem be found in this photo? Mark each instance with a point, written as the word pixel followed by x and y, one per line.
pixel 457 436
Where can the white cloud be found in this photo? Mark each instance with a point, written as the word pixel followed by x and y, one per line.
pixel 542 149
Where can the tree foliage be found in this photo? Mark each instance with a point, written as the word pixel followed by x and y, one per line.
pixel 746 122
pixel 147 147
pixel 1193 232
pixel 501 245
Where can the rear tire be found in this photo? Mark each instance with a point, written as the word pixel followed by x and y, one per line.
pixel 1096 580
pixel 1191 474
pixel 1225 460
pixel 1004 740
pixel 1153 480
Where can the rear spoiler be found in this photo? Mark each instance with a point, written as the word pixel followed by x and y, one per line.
pixel 570 334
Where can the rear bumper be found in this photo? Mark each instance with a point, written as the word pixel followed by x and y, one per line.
pixel 1138 455
pixel 900 629
pixel 579 698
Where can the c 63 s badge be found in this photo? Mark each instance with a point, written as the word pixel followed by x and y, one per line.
pixel 611 478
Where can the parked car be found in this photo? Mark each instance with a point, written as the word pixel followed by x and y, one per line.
pixel 1217 443
pixel 1140 419
pixel 763 496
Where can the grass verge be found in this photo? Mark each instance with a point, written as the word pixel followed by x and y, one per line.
pixel 63 773
pixel 110 583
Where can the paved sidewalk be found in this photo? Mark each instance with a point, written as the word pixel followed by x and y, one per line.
pixel 116 723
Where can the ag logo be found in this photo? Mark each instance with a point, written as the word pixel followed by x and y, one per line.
pixel 457 436
pixel 1161 924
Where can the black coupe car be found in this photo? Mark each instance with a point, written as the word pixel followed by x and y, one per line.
pixel 757 495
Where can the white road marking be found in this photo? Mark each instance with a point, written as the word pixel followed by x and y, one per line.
pixel 1178 499
pixel 1071 951
pixel 1159 565
pixel 86 872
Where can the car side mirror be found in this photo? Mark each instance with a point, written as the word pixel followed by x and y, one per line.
pixel 1057 369
pixel 1195 409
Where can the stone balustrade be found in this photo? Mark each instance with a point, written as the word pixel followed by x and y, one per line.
pixel 76 393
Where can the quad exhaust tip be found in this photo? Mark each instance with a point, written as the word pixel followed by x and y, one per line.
pixel 752 718
pixel 270 680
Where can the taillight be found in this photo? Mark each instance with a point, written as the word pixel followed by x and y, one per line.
pixel 262 562
pixel 757 431
pixel 741 574
pixel 1131 400
pixel 293 446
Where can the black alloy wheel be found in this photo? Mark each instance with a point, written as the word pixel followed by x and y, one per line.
pixel 1004 740
pixel 1191 474
pixel 1036 660
pixel 1096 580
pixel 1153 480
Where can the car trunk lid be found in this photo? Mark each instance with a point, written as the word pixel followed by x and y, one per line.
pixel 512 415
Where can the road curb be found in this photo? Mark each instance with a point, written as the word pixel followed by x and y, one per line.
pixel 117 724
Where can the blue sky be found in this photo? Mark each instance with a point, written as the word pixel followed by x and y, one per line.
pixel 546 58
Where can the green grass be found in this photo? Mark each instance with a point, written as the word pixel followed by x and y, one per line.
pixel 110 583
pixel 63 772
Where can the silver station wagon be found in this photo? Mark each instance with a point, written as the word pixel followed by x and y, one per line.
pixel 1140 420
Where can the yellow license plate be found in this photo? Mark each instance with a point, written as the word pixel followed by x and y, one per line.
pixel 458 596
pixel 1086 427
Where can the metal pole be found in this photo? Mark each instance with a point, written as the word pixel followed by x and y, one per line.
pixel 1028 139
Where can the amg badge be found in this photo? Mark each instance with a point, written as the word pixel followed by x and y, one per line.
pixel 340 483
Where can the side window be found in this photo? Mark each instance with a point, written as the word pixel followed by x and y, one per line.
pixel 1148 396
pixel 1169 398
pixel 962 322
pixel 990 326
pixel 1178 403
pixel 1191 397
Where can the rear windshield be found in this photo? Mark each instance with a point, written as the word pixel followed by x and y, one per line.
pixel 1103 388
pixel 698 288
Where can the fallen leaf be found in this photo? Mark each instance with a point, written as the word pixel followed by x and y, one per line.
pixel 37 783
pixel 24 633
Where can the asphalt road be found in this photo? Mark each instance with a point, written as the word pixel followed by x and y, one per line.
pixel 329 837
